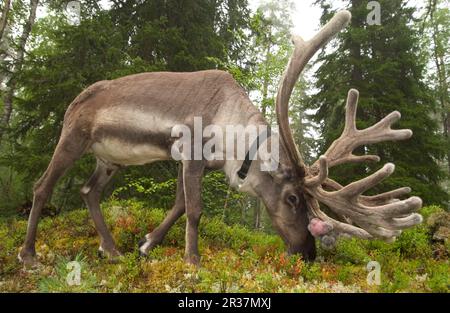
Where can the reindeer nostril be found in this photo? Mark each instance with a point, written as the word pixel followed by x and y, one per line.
pixel 307 249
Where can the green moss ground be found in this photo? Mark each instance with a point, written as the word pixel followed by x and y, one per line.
pixel 234 259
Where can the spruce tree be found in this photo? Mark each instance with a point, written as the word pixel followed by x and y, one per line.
pixel 129 37
pixel 384 62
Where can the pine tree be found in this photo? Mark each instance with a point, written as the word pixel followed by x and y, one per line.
pixel 185 35
pixel 130 37
pixel 11 78
pixel 271 26
pixel 384 62
pixel 436 27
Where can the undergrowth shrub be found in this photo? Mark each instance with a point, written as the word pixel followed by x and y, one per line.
pixel 350 251
pixel 234 258
pixel 439 277
pixel 57 281
pixel 414 243
pixel 216 193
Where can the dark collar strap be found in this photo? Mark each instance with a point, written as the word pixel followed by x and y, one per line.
pixel 243 171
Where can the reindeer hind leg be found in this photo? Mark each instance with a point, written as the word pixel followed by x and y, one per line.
pixel 68 150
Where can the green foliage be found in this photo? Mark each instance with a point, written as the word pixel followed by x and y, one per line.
pixel 138 36
pixel 12 189
pixel 436 30
pixel 351 251
pixel 388 69
pixel 130 37
pixel 439 278
pixel 427 211
pixel 57 281
pixel 346 274
pixel 234 259
pixel 271 48
pixel 237 237
pixel 218 198
pixel 159 194
pixel 414 243
pixel 312 272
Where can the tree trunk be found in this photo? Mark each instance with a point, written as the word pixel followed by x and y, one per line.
pixel 447 136
pixel 445 106
pixel 18 62
pixel 355 48
pixel 4 18
pixel 356 74
pixel 4 46
pixel 266 82
pixel 441 85
pixel 257 217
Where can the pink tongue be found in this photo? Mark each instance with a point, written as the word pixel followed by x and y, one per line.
pixel 318 227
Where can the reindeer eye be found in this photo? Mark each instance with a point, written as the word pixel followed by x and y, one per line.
pixel 292 200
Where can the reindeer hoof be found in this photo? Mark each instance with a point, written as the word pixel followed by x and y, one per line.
pixel 142 252
pixel 28 259
pixel 192 259
pixel 142 242
pixel 145 245
pixel 111 255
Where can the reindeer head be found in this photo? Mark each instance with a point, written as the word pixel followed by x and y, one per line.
pixel 293 193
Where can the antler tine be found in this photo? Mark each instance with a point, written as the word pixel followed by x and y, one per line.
pixel 380 199
pixel 337 226
pixel 341 151
pixel 304 50
pixel 322 176
pixel 387 211
pixel 358 187
pixel 383 215
pixel 376 215
pixel 386 197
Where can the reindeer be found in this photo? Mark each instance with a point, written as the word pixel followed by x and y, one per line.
pixel 128 121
